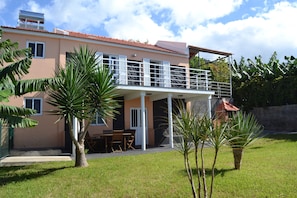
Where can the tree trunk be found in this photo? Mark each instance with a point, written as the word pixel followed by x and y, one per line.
pixel 80 157
pixel 237 154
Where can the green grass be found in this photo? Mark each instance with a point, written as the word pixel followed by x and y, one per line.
pixel 269 169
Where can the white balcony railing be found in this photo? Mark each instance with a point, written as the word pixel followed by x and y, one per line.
pixel 134 73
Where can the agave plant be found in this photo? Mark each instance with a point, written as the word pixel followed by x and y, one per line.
pixel 244 129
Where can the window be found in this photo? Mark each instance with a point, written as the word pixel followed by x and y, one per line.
pixel 98 120
pixel 34 103
pixel 37 49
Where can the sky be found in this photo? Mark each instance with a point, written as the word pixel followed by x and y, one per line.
pixel 245 28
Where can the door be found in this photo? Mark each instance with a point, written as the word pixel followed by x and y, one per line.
pixel 135 123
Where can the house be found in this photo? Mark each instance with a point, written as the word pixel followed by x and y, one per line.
pixel 148 79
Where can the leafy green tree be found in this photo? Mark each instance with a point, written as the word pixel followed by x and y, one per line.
pixel 81 90
pixel 219 68
pixel 259 84
pixel 15 63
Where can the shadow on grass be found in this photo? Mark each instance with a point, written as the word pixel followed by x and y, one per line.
pixel 11 175
pixel 255 147
pixel 208 171
pixel 287 137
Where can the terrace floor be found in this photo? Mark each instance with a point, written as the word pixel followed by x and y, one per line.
pixel 21 158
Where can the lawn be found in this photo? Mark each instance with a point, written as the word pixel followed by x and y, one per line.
pixel 269 169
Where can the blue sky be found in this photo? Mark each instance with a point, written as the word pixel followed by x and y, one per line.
pixel 245 28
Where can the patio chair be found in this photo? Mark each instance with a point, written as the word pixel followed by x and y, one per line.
pixel 130 139
pixel 117 140
pixel 90 143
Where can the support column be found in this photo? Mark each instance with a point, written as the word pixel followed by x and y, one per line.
pixel 75 133
pixel 143 145
pixel 170 125
pixel 209 106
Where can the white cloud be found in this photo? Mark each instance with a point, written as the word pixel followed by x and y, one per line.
pixel 190 13
pixel 260 35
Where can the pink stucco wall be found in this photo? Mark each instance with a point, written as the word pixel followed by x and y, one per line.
pixel 49 134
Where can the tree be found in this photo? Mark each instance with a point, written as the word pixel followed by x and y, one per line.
pixel 219 68
pixel 244 129
pixel 82 90
pixel 259 84
pixel 195 131
pixel 15 63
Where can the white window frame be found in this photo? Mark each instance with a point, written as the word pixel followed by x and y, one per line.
pixel 35 51
pixel 97 123
pixel 40 99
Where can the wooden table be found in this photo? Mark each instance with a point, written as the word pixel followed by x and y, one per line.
pixel 106 136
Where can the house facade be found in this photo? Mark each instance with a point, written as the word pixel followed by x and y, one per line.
pixel 149 78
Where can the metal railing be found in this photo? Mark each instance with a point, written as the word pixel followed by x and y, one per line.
pixel 135 73
pixel 221 89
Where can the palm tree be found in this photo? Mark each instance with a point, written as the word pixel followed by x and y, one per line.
pixel 82 90
pixel 244 129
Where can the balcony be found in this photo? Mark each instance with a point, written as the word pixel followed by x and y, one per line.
pixel 164 75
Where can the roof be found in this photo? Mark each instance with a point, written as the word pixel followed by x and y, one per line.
pixel 119 41
pixel 229 107
pixel 193 50
pixel 92 37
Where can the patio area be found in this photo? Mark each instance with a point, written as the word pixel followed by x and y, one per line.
pixel 21 158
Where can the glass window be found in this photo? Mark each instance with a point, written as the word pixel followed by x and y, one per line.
pixel 98 120
pixel 34 103
pixel 37 49
pixel 32 46
pixel 39 52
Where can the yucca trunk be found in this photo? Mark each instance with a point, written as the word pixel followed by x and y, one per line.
pixel 237 155
pixel 81 160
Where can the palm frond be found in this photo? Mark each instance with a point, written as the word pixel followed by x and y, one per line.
pixel 244 129
pixel 18 122
pixel 6 110
pixel 25 86
pixel 68 93
pixel 102 92
pixel 16 69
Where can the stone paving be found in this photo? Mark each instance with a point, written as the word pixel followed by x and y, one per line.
pixel 21 158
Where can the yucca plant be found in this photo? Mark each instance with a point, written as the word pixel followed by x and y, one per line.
pixel 243 130
pixel 81 90
pixel 183 121
pixel 217 138
pixel 195 131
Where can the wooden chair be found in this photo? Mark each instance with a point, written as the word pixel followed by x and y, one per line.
pixel 130 140
pixel 90 143
pixel 117 140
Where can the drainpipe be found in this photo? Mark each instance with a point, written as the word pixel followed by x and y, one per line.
pixel 143 146
pixel 170 125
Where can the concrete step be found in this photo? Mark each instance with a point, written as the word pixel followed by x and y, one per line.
pixel 27 160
